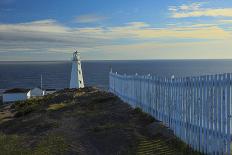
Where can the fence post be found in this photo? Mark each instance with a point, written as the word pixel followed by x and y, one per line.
pixel 228 113
pixel 207 106
pixel 219 114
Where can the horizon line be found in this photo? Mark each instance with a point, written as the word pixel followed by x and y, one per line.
pixel 114 60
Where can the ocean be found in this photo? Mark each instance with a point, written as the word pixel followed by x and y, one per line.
pixel 56 74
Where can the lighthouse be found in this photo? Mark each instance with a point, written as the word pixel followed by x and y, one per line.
pixel 76 80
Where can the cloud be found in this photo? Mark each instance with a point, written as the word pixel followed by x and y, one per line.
pixel 206 12
pixel 138 25
pixel 226 21
pixel 89 18
pixel 166 50
pixel 197 10
pixel 51 30
pixel 49 36
pixel 184 7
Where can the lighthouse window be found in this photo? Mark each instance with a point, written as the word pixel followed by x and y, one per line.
pixel 80 82
pixel 79 72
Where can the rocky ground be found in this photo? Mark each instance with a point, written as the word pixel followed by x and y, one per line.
pixel 83 122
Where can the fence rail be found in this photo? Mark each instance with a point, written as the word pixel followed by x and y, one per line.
pixel 197 109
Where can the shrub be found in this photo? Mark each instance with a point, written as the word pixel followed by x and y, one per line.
pixel 26 110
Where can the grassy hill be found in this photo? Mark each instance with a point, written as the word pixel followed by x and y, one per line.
pixel 83 122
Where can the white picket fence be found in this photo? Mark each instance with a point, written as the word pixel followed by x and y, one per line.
pixel 197 109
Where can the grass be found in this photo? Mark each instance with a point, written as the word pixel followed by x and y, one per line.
pixel 146 118
pixel 104 127
pixel 54 107
pixel 25 107
pixel 97 119
pixel 12 145
pixel 49 145
pixel 157 146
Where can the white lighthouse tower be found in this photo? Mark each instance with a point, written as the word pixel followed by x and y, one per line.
pixel 76 80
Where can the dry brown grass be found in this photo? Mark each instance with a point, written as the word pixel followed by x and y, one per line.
pixel 53 107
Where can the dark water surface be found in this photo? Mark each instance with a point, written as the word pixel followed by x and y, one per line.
pixel 57 74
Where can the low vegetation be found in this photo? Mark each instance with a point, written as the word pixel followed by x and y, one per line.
pixel 83 121
pixel 49 145
pixel 23 108
pixel 11 145
pixel 56 106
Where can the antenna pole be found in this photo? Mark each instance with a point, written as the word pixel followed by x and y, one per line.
pixel 41 82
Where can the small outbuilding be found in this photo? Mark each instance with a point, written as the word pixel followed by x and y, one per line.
pixel 36 92
pixel 16 94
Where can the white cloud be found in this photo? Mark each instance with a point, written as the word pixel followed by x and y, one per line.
pixel 51 30
pixel 164 50
pixel 49 36
pixel 197 10
pixel 138 25
pixel 89 18
pixel 184 7
pixel 226 21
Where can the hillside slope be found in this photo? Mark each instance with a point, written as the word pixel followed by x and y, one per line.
pixel 83 122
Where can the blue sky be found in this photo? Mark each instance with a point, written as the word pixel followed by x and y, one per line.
pixel 115 29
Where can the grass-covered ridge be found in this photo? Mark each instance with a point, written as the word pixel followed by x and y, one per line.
pixel 83 121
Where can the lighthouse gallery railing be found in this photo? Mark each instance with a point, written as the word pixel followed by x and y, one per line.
pixel 197 109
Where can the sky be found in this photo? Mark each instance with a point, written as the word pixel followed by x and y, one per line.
pixel 42 30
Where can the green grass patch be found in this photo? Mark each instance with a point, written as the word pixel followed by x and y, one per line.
pixel 12 145
pixel 49 145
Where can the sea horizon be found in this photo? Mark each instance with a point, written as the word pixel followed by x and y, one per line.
pixel 56 74
pixel 229 59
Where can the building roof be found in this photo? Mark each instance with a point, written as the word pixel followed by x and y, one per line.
pixel 36 88
pixel 2 91
pixel 17 90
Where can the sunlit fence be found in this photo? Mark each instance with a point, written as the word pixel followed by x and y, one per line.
pixel 197 109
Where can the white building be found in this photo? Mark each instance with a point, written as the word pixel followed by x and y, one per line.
pixel 39 92
pixel 16 94
pixel 49 91
pixel 36 92
pixel 76 80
